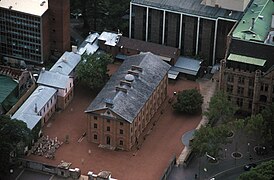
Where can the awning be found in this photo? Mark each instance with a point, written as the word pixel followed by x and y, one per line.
pixel 172 74
pixel 246 59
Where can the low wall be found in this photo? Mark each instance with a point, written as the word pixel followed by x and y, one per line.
pixel 171 164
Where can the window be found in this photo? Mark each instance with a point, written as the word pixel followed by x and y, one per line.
pixel 240 90
pixel 95 126
pixel 95 117
pixel 121 142
pixel 264 87
pixel 250 92
pixel 121 131
pixel 95 137
pixel 249 104
pixel 229 88
pixel 230 78
pixel 241 80
pixel 108 120
pixel 121 124
pixel 108 128
pixel 240 102
pixel 251 82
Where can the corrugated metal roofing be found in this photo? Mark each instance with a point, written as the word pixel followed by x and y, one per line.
pixel 261 11
pixel 38 98
pixel 53 79
pixel 128 105
pixel 246 59
pixel 67 62
pixel 193 7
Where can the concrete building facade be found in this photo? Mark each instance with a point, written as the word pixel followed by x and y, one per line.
pixel 31 30
pixel 121 112
pixel 192 26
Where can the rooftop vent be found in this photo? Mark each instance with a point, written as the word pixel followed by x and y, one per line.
pixel 10 7
pixel 252 23
pixel 35 108
pixel 109 102
pixel 261 17
pixel 42 3
pixel 43 69
pixel 64 59
pixel 129 77
pixel 118 88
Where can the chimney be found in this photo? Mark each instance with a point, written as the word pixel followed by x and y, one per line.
pixel 138 68
pixel 133 73
pixel 252 23
pixel 127 83
pixel 118 88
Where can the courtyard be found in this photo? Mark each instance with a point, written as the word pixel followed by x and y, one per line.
pixel 163 138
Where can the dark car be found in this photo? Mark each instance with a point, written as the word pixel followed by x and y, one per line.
pixel 247 167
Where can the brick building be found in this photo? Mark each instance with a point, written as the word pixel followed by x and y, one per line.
pixel 119 114
pixel 197 27
pixel 247 72
pixel 31 30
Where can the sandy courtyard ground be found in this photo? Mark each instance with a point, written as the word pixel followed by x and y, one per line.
pixel 147 163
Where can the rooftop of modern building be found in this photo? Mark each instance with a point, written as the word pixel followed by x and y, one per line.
pixel 255 25
pixel 53 79
pixel 66 63
pixel 34 7
pixel 143 46
pixel 7 85
pixel 28 112
pixel 127 104
pixel 191 7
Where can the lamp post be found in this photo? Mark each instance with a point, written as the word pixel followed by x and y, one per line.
pixel 225 153
pixel 248 145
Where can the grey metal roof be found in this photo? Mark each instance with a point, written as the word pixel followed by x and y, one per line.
pixel 187 65
pixel 38 98
pixel 53 79
pixel 89 45
pixel 193 7
pixel 67 62
pixel 127 105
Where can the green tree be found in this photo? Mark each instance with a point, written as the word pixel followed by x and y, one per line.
pixel 92 70
pixel 220 108
pixel 14 136
pixel 188 101
pixel 256 126
pixel 209 140
pixel 264 171
pixel 268 115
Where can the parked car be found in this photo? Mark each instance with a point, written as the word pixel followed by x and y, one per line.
pixel 247 167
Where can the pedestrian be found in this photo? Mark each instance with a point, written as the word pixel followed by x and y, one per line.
pixel 196 176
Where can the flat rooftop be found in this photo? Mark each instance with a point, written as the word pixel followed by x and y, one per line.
pixel 256 23
pixel 7 85
pixel 193 7
pixel 34 7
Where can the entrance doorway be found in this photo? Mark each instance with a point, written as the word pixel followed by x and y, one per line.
pixel 108 140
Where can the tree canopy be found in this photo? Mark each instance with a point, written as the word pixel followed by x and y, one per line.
pixel 209 140
pixel 92 70
pixel 99 15
pixel 220 108
pixel 264 171
pixel 14 135
pixel 188 101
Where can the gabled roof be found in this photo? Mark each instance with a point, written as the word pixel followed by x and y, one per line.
pixel 193 7
pixel 143 46
pixel 127 105
pixel 38 100
pixel 89 45
pixel 67 62
pixel 34 7
pixel 53 79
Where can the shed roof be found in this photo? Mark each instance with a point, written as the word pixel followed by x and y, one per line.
pixel 34 7
pixel 246 59
pixel 193 7
pixel 53 79
pixel 66 63
pixel 127 105
pixel 38 98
